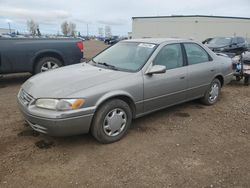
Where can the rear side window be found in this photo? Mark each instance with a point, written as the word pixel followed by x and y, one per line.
pixel 170 56
pixel 240 40
pixel 195 54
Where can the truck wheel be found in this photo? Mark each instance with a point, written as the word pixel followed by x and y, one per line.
pixel 111 121
pixel 212 94
pixel 46 64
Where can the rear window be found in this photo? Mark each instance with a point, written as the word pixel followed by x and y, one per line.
pixel 221 41
pixel 195 54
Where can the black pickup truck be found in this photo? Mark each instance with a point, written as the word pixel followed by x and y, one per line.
pixel 38 55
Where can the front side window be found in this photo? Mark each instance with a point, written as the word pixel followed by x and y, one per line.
pixel 234 41
pixel 127 56
pixel 195 54
pixel 170 56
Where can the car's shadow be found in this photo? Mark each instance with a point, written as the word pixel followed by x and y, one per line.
pixel 13 79
pixel 236 83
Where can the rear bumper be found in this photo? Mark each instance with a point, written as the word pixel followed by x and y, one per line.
pixel 58 126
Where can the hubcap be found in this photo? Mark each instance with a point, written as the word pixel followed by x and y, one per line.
pixel 114 122
pixel 48 66
pixel 214 92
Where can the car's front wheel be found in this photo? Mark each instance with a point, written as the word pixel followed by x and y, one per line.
pixel 212 94
pixel 111 121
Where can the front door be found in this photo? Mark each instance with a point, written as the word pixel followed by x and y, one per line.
pixel 162 90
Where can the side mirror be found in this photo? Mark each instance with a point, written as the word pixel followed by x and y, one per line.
pixel 157 69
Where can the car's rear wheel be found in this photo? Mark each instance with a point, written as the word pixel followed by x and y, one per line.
pixel 46 64
pixel 212 94
pixel 111 121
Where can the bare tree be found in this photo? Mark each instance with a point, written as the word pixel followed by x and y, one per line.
pixel 32 26
pixel 68 28
pixel 65 28
pixel 72 29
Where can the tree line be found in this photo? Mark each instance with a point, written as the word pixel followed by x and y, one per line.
pixel 67 28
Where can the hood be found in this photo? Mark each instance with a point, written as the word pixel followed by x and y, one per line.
pixel 62 82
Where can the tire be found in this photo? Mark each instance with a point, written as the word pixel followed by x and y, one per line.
pixel 246 80
pixel 238 78
pixel 113 114
pixel 44 63
pixel 211 97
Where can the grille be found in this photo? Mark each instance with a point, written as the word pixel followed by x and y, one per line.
pixel 25 97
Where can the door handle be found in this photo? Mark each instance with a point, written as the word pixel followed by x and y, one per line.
pixel 212 70
pixel 182 77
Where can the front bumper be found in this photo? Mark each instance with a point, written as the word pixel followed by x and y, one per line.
pixel 57 126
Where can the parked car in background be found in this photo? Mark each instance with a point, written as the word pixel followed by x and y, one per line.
pixel 38 55
pixel 206 41
pixel 128 80
pixel 229 45
pixel 81 38
pixel 112 40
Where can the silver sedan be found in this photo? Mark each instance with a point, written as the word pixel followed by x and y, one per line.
pixel 126 81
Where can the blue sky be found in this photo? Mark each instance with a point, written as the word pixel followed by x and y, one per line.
pixel 115 13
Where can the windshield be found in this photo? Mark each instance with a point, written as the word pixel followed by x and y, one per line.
pixel 221 41
pixel 128 56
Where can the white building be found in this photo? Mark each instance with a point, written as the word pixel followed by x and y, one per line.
pixel 197 27
pixel 4 30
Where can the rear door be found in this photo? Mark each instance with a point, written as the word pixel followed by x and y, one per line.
pixel 201 70
pixel 162 90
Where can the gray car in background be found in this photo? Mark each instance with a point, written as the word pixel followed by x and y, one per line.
pixel 125 81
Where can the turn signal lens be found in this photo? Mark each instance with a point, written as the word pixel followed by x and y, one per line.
pixel 77 104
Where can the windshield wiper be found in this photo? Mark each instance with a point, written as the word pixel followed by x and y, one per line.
pixel 108 65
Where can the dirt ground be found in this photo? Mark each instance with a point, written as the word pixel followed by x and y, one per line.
pixel 189 145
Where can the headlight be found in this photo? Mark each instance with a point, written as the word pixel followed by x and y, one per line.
pixel 60 104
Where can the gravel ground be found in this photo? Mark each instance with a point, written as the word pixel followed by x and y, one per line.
pixel 189 145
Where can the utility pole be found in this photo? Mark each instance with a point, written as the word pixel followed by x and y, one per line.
pixel 9 27
pixel 87 30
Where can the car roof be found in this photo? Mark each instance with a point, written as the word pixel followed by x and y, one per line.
pixel 158 40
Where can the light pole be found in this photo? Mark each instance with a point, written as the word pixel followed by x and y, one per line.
pixel 9 27
pixel 87 30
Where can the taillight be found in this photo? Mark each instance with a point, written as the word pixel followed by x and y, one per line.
pixel 80 46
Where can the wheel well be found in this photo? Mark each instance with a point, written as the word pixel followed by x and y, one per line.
pixel 126 99
pixel 47 54
pixel 221 79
